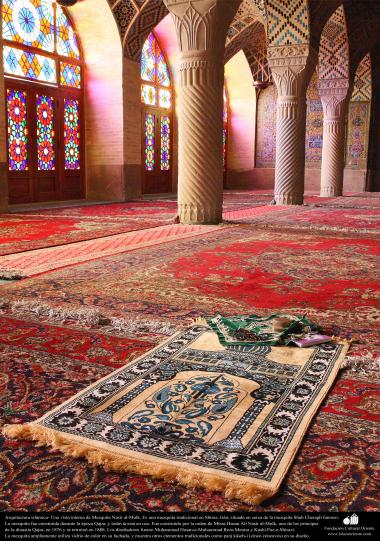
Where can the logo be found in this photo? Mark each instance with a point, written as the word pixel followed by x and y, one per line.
pixel 351 521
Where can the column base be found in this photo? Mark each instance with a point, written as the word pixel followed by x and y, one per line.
pixel 195 214
pixel 330 192
pixel 288 199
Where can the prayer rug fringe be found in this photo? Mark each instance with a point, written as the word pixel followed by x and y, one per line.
pixel 248 491
pixel 88 317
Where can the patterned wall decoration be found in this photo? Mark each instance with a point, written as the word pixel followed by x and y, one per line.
pixel 314 124
pixel 288 22
pixel 333 50
pixel 357 134
pixel 124 11
pixel 247 14
pixel 254 35
pixel 359 114
pixel 363 81
pixel 150 14
pixel 266 128
pixel 258 61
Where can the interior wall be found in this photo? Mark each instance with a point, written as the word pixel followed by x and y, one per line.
pixel 241 137
pixel 103 86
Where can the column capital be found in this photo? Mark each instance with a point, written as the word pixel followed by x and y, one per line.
pixel 333 94
pixel 290 66
pixel 202 25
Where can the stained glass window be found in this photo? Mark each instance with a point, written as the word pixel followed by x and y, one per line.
pixel 149 94
pixel 165 98
pixel 17 130
pixel 148 59
pixel 30 22
pixel 67 43
pixel 149 141
pixel 156 92
pixel 162 70
pixel 45 133
pixel 165 143
pixel 70 75
pixel 155 70
pixel 29 65
pixel 71 134
pixel 37 23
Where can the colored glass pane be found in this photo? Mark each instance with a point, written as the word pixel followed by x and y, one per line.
pixel 67 43
pixel 30 22
pixel 153 66
pixel 70 75
pixel 149 142
pixel 30 65
pixel 148 94
pixel 71 134
pixel 17 130
pixel 162 70
pixel 165 98
pixel 165 143
pixel 45 133
pixel 148 59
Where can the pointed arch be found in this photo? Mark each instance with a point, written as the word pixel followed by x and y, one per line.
pixel 334 48
pixel 359 115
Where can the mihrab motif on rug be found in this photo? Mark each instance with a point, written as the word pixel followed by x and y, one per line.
pixel 193 412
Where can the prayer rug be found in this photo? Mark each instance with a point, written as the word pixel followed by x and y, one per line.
pixel 193 412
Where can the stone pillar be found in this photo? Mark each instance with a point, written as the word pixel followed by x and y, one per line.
pixel 201 27
pixel 290 68
pixel 334 97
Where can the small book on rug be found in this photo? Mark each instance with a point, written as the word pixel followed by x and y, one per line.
pixel 310 340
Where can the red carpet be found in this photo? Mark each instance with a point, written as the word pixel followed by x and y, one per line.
pixel 132 300
pixel 232 270
pixel 35 229
pixel 22 232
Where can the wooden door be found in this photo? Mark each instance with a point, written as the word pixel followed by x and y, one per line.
pixel 156 151
pixel 45 150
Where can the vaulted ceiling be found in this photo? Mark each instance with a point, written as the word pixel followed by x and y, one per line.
pixel 136 18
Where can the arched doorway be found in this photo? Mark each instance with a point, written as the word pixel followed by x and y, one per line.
pixel 44 102
pixel 157 100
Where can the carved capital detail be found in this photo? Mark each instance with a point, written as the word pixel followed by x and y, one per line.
pixel 334 106
pixel 289 79
pixel 202 25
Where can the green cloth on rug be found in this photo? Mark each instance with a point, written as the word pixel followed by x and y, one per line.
pixel 237 332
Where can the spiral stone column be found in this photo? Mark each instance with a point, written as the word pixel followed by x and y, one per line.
pixel 334 102
pixel 201 27
pixel 289 66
